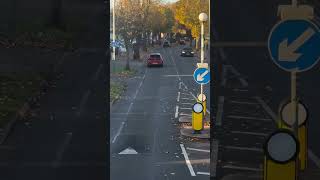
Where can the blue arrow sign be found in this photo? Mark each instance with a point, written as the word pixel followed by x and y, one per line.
pixel 294 45
pixel 201 75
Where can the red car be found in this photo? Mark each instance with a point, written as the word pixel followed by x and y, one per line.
pixel 155 59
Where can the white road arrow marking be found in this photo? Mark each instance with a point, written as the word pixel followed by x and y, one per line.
pixel 287 52
pixel 200 76
pixel 129 150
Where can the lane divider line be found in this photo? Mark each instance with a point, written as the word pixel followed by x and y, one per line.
pixel 243 82
pixel 96 75
pixel 177 112
pixel 267 109
pixel 200 150
pixel 243 148
pixel 242 102
pixel 184 152
pixel 249 133
pixel 203 173
pixel 248 118
pixel 220 111
pixel 83 102
pixel 178 98
pixel 242 168
pixel 62 149
pixel 122 124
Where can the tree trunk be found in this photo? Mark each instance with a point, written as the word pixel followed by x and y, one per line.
pixel 127 56
pixel 197 43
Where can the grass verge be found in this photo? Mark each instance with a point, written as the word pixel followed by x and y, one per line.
pixel 14 92
pixel 116 89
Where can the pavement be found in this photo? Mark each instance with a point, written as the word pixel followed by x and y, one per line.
pixel 65 139
pixel 252 88
pixel 145 138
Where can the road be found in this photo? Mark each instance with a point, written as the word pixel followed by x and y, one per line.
pixel 145 133
pixel 65 139
pixel 253 89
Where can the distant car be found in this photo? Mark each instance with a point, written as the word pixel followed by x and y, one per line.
pixel 187 52
pixel 186 38
pixel 182 42
pixel 166 44
pixel 172 40
pixel 155 59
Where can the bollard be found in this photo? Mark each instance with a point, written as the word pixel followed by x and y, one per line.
pixel 280 156
pixel 287 123
pixel 197 117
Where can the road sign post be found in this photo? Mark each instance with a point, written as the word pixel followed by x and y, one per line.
pixel 293 46
pixel 281 149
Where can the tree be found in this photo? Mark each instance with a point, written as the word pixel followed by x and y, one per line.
pixel 187 13
pixel 128 15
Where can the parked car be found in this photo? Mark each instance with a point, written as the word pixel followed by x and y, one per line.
pixel 155 59
pixel 187 52
pixel 166 44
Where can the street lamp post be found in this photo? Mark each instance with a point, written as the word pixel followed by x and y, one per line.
pixel 113 30
pixel 202 17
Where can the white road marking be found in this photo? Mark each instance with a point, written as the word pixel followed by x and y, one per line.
pixel 183 114
pixel 139 87
pixel 122 124
pixel 200 150
pixel 240 90
pixel 241 168
pixel 249 133
pixel 96 75
pixel 129 109
pixel 177 112
pixel 267 109
pixel 243 148
pixel 187 103
pixel 83 102
pixel 224 73
pixel 188 99
pixel 244 83
pixel 214 157
pixel 118 132
pixel 220 111
pixel 243 102
pixel 187 160
pixel 311 155
pixel 186 94
pixel 175 66
pixel 61 150
pixel 203 173
pixel 129 150
pixel 178 98
pixel 186 108
pixel 248 118
pixel 185 86
pixel 193 96
pixel 314 158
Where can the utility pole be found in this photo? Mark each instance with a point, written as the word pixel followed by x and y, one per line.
pixel 113 30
